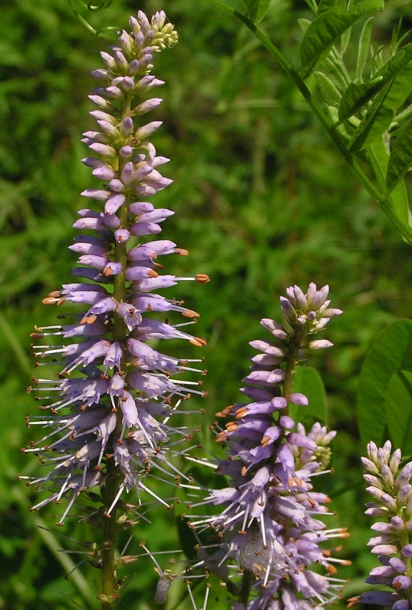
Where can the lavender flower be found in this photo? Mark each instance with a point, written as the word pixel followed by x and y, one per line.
pixel 391 490
pixel 269 528
pixel 108 413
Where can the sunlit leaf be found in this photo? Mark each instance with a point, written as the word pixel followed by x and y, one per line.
pixel 327 29
pixel 390 353
pixel 400 159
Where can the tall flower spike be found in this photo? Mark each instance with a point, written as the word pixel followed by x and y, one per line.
pixel 391 491
pixel 108 414
pixel 269 529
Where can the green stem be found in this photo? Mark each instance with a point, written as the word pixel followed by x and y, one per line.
pixel 112 486
pixel 109 595
pixel 295 345
pixel 246 586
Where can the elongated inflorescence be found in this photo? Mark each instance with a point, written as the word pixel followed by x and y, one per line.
pixel 107 415
pixel 391 491
pixel 268 535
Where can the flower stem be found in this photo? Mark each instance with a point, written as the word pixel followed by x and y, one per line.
pixel 246 586
pixel 295 345
pixel 109 594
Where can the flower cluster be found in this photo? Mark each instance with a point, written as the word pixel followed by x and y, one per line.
pixel 108 412
pixel 269 529
pixel 391 490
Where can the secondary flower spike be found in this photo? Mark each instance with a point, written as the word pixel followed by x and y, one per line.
pixel 108 414
pixel 268 535
pixel 391 491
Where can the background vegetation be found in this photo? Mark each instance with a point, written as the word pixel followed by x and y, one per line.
pixel 262 201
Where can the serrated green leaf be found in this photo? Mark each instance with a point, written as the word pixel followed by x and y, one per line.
pixel 328 89
pixel 325 30
pixel 256 9
pixel 398 406
pixel 308 381
pixel 390 353
pixel 364 47
pixel 400 159
pixel 374 123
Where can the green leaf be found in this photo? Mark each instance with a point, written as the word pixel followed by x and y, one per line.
pixel 357 95
pixel 326 29
pixel 345 38
pixel 333 72
pixel 401 84
pixel 308 381
pixel 328 89
pixel 382 111
pixel 374 123
pixel 187 539
pixel 325 5
pixel 390 353
pixel 364 47
pixel 303 24
pixel 256 9
pixel 379 156
pixel 399 410
pixel 398 198
pixel 397 72
pixel 400 159
pixel 400 204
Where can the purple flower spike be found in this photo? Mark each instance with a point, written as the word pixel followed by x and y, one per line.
pixel 111 408
pixel 386 482
pixel 269 531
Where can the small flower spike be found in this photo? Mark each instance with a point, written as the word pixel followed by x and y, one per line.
pixel 391 491
pixel 108 415
pixel 268 535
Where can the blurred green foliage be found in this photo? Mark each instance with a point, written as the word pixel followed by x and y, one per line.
pixel 262 201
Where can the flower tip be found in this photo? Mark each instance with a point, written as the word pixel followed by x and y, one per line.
pixel 198 342
pixel 202 278
pixel 189 313
pixel 181 251
pixel 88 319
